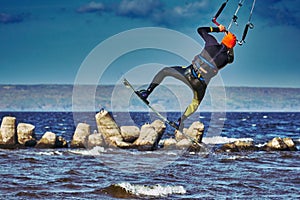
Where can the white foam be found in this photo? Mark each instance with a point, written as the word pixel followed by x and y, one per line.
pixel 223 140
pixel 236 157
pixel 261 145
pixel 49 153
pixel 155 190
pixel 92 152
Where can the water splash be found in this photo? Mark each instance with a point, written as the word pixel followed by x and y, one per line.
pixel 152 191
pixel 223 140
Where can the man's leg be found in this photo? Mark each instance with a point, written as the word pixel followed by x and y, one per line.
pixel 199 89
pixel 191 108
pixel 176 72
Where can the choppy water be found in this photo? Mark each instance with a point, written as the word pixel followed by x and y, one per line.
pixel 163 174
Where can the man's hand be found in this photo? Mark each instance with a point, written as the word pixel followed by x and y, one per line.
pixel 222 28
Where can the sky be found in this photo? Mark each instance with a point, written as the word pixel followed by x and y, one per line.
pixel 50 41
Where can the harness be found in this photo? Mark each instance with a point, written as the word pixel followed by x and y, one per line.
pixel 197 74
pixel 198 69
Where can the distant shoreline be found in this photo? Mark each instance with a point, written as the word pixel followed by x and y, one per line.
pixel 59 98
pixel 113 85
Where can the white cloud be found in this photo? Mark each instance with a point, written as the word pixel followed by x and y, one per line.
pixel 180 15
pixel 91 7
pixel 191 9
pixel 155 11
pixel 138 8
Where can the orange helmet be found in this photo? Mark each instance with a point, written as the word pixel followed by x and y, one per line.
pixel 229 40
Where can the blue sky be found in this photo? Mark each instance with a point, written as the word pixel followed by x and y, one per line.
pixel 46 41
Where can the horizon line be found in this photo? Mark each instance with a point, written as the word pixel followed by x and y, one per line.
pixel 69 84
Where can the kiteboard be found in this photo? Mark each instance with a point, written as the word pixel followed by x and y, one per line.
pixel 163 118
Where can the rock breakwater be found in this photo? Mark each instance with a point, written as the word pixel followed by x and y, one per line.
pixel 109 134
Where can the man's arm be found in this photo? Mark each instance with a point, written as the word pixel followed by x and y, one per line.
pixel 209 39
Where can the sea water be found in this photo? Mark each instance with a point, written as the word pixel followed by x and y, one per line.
pixel 101 173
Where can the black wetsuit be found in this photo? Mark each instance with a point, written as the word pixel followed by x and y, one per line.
pixel 214 53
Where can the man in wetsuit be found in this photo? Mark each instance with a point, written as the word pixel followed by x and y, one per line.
pixel 212 58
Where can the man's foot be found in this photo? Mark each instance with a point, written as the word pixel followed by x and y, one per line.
pixel 143 94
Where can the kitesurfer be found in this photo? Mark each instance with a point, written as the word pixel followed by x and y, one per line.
pixel 212 58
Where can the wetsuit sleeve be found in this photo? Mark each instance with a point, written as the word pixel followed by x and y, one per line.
pixel 209 39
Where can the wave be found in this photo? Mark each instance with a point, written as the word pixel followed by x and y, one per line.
pixel 223 140
pixel 49 153
pixel 98 150
pixel 90 152
pixel 125 190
